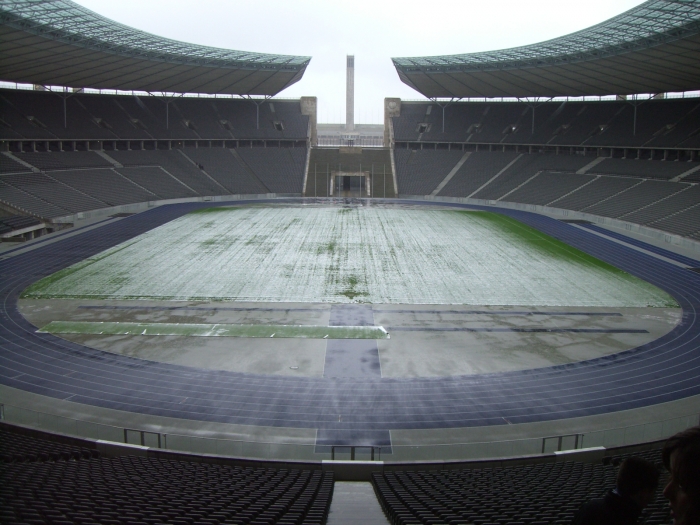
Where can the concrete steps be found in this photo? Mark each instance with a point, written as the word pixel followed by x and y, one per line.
pixel 355 502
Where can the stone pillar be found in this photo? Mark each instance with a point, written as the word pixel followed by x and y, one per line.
pixel 350 95
pixel 309 106
pixel 392 108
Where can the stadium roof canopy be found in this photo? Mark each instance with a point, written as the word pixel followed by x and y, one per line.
pixel 58 42
pixel 652 48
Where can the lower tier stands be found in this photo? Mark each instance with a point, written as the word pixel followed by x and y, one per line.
pixel 47 189
pixel 595 185
pixel 64 160
pixel 176 164
pixel 117 178
pixel 281 170
pixel 651 170
pixel 665 198
pixel 223 166
pixel 9 165
pixel 17 222
pixel 536 494
pixel 419 172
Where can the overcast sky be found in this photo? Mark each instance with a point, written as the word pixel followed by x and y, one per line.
pixel 374 31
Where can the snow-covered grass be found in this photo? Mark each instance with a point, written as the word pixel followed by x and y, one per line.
pixel 216 330
pixel 350 255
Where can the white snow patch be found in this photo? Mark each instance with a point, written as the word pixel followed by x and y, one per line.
pixel 347 255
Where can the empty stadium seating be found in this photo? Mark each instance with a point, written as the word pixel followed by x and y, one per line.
pixel 40 115
pixel 70 182
pixel 21 448
pixel 64 160
pixel 17 222
pixel 419 172
pixel 535 494
pixel 8 165
pixel 223 166
pixel 670 123
pixel 47 482
pixel 281 170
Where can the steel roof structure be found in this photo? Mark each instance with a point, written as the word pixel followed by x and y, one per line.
pixel 58 42
pixel 652 48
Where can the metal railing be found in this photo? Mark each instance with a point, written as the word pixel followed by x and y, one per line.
pixel 156 437
pixel 145 438
pixel 561 441
pixel 353 448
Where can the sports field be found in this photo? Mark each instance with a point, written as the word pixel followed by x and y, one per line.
pixel 344 255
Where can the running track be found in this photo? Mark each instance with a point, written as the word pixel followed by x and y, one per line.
pixel 664 370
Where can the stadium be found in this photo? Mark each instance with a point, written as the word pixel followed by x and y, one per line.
pixel 216 309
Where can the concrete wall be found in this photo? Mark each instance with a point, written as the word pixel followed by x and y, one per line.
pixel 142 206
pixel 342 470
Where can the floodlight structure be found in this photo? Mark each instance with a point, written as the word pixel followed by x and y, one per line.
pixel 652 48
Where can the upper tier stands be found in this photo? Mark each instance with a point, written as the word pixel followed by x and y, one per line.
pixel 37 115
pixel 669 123
pixel 536 494
pixel 638 191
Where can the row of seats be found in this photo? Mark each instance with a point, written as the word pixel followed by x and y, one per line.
pixel 670 123
pixel 40 116
pixel 20 448
pixel 17 222
pixel 535 494
pixel 48 482
pixel 132 490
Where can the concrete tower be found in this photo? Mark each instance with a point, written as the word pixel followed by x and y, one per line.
pixel 350 95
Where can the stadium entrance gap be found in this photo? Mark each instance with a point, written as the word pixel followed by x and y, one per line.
pixel 351 184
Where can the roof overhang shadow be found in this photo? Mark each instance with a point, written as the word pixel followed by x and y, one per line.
pixel 653 48
pixel 58 42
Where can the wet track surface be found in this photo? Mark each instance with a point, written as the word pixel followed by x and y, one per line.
pixel 355 407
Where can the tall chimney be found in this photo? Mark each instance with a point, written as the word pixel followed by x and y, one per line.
pixel 350 95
